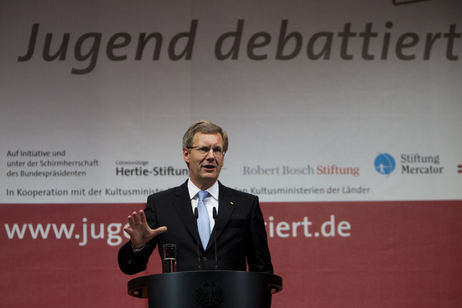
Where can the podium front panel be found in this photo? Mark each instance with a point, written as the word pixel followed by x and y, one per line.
pixel 199 289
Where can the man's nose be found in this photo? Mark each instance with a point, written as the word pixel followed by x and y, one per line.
pixel 210 155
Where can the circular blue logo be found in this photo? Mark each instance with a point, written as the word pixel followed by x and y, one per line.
pixel 384 163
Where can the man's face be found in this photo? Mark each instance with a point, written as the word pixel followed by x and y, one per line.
pixel 205 159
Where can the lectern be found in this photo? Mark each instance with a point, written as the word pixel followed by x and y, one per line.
pixel 199 289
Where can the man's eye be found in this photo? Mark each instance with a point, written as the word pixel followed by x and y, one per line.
pixel 217 150
pixel 204 150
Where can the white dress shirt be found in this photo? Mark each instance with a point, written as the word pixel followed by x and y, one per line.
pixel 210 201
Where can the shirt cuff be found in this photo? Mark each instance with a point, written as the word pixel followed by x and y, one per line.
pixel 137 250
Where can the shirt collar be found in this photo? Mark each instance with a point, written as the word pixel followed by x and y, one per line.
pixel 193 190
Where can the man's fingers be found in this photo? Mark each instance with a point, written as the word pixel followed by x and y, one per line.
pixel 139 229
pixel 160 230
pixel 129 231
pixel 130 221
pixel 142 217
pixel 136 218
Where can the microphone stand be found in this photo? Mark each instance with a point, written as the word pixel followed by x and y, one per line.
pixel 196 216
pixel 215 216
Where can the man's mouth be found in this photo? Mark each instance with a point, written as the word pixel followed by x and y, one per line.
pixel 209 167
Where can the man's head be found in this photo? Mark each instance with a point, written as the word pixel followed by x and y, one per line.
pixel 204 146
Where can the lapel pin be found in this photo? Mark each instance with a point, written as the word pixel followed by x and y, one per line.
pixel 231 203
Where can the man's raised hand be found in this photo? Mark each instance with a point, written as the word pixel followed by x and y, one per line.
pixel 139 230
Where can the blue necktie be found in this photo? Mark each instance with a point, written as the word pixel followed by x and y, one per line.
pixel 203 223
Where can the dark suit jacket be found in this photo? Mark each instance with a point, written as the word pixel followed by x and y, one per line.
pixel 240 230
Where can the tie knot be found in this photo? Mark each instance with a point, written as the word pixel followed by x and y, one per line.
pixel 202 195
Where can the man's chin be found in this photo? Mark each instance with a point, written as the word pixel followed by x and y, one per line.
pixel 210 176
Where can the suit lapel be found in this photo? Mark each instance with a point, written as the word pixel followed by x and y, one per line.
pixel 225 209
pixel 182 204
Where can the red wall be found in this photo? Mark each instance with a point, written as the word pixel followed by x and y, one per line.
pixel 379 254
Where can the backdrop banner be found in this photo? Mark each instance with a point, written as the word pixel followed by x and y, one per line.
pixel 343 118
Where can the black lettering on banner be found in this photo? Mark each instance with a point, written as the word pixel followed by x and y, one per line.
pixel 143 40
pixel 345 35
pixel 92 52
pixel 259 46
pixel 386 41
pixel 283 39
pixel 326 49
pixel 62 50
pixel 234 50
pixel 111 45
pixel 400 45
pixel 187 52
pixel 266 39
pixel 451 35
pixel 368 34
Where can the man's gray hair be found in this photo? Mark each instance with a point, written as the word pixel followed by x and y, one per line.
pixel 205 127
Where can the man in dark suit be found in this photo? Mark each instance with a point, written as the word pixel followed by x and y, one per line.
pixel 169 217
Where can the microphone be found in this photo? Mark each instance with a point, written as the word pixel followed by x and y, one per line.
pixel 196 216
pixel 215 216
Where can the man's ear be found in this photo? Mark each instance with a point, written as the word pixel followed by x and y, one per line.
pixel 186 155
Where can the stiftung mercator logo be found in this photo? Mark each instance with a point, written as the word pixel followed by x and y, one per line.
pixel 384 163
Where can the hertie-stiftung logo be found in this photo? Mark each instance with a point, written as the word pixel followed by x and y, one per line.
pixel 384 163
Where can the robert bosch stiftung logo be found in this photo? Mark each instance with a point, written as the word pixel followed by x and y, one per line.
pixel 384 163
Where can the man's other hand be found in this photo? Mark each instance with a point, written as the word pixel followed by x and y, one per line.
pixel 139 230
